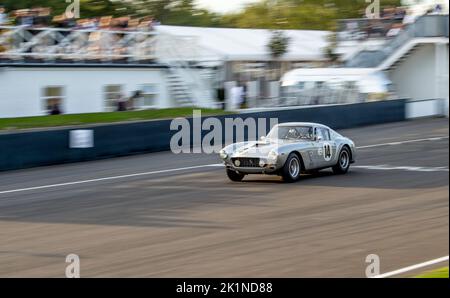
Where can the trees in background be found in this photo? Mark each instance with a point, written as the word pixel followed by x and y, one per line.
pixel 177 12
pixel 299 14
pixel 268 14
pixel 283 14
pixel 278 43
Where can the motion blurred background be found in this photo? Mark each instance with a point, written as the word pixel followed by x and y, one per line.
pixel 94 56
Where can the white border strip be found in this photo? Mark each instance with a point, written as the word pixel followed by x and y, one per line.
pixel 413 267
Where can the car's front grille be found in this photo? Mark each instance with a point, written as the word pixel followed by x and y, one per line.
pixel 246 162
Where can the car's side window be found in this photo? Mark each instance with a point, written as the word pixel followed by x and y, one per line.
pixel 318 133
pixel 326 134
pixel 322 132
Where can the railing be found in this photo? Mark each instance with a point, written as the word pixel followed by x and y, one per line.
pixel 27 44
pixel 425 26
pixel 323 96
pixel 184 56
pixel 363 29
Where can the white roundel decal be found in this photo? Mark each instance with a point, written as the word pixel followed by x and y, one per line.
pixel 327 151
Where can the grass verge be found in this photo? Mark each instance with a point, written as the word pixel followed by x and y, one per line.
pixel 96 118
pixel 438 273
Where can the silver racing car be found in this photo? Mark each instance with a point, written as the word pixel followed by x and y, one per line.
pixel 289 150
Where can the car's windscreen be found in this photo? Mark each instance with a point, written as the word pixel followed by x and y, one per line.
pixel 291 133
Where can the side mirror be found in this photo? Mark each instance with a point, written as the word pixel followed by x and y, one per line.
pixel 263 138
pixel 319 138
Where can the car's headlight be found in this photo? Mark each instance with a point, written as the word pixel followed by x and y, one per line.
pixel 272 155
pixel 223 154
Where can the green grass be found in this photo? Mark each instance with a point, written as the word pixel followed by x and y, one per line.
pixel 438 273
pixel 95 118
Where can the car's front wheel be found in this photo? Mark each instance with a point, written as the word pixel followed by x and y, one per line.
pixel 292 168
pixel 235 176
pixel 343 164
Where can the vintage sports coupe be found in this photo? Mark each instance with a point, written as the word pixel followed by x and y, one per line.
pixel 289 150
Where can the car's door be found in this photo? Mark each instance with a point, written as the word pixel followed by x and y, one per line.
pixel 326 148
pixel 309 149
pixel 317 152
pixel 329 147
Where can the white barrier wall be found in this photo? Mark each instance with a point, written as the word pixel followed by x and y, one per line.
pixel 21 88
pixel 425 108
pixel 423 74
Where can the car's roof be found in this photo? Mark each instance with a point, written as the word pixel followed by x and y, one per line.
pixel 302 124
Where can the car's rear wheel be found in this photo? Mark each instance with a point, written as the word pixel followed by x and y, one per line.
pixel 235 176
pixel 343 164
pixel 292 168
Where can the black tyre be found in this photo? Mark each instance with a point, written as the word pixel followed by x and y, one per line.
pixel 292 168
pixel 343 164
pixel 234 176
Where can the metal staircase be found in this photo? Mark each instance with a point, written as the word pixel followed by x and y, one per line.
pixel 189 82
pixel 179 89
pixel 422 31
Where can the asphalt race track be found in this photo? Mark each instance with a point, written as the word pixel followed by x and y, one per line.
pixel 193 222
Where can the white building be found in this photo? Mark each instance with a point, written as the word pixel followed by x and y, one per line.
pixel 32 90
pixel 90 71
pixel 416 60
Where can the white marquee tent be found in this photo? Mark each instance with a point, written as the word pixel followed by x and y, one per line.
pixel 251 44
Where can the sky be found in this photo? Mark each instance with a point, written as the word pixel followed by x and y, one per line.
pixel 224 5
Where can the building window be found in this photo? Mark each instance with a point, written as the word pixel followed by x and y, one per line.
pixel 148 97
pixel 319 85
pixel 53 100
pixel 301 85
pixel 113 94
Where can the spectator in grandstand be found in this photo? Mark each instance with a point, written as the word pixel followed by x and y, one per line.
pixel 120 23
pixel 133 24
pixel 400 13
pixel 61 21
pixel 409 17
pixel 388 13
pixel 395 30
pixel 105 22
pixel 437 9
pixel 23 17
pixel 146 24
pixel 41 16
pixel 87 24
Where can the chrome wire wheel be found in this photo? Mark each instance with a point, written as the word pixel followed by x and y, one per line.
pixel 294 167
pixel 343 164
pixel 344 160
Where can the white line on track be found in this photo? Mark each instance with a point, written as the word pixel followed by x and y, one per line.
pixel 185 168
pixel 108 178
pixel 413 267
pixel 403 168
pixel 404 142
